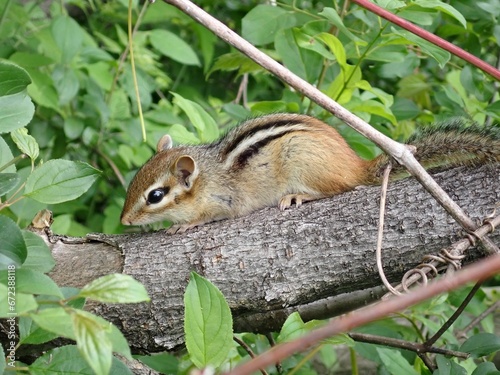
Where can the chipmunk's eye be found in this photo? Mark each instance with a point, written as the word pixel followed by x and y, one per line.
pixel 156 195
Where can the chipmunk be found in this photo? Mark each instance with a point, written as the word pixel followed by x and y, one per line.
pixel 277 159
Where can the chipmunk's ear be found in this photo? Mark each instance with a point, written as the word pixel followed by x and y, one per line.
pixel 164 143
pixel 186 170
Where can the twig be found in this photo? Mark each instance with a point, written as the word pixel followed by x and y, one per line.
pixel 249 350
pixel 454 316
pixel 13 161
pixel 113 166
pixel 458 248
pixel 133 70
pixel 480 270
pixel 397 150
pixel 242 91
pixel 427 361
pixel 270 338
pixel 434 39
pixel 378 252
pixel 403 344
pixel 478 319
pixel 124 55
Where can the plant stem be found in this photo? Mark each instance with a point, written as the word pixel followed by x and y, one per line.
pixel 13 161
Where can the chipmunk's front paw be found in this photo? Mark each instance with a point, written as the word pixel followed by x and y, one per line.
pixel 287 200
pixel 181 228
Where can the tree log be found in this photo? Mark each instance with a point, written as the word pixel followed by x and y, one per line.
pixel 318 259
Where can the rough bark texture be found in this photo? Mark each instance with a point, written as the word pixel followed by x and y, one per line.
pixel 318 259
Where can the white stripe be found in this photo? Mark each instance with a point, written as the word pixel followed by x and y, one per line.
pixel 259 136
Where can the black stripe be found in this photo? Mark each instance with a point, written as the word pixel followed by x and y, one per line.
pixel 267 125
pixel 251 151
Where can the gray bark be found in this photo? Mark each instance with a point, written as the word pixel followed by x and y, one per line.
pixel 318 259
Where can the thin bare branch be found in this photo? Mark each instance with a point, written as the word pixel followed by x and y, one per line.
pixel 462 333
pixel 403 344
pixel 454 316
pixel 480 270
pixel 249 350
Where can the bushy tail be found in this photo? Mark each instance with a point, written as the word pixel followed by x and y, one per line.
pixel 453 143
pixel 456 142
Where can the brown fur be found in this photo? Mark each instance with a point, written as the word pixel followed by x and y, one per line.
pixel 275 160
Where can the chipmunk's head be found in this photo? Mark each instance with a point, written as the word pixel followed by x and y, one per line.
pixel 162 187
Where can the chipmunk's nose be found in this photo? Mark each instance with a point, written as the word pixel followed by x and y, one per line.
pixel 125 220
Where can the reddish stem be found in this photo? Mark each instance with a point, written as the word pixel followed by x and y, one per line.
pixel 485 67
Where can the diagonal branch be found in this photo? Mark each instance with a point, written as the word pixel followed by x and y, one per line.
pixel 397 150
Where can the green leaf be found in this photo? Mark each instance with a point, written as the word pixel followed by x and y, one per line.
pixel 66 83
pixel 69 360
pixel 336 46
pixel 308 42
pixel 13 79
pixel 306 64
pixel 6 156
pixel 64 360
pixel 443 7
pixel 39 255
pixel 59 181
pixel 8 181
pixel 260 25
pixel 16 111
pixel 208 324
pixel 170 45
pixel 30 60
pixel 342 339
pixel 42 90
pixel 235 61
pixel 25 142
pixel 164 363
pixel 264 107
pixel 12 246
pixel 73 127
pixel 293 328
pixel 181 135
pixel 13 303
pixel 331 15
pixel 32 333
pixel 204 123
pixel 448 367
pixel 486 368
pixel 56 320
pixel 115 288
pixel 93 341
pixel 376 108
pixel 119 342
pixel 481 344
pixel 390 4
pixel 68 36
pixel 420 17
pixel 34 282
pixel 440 55
pixel 394 361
